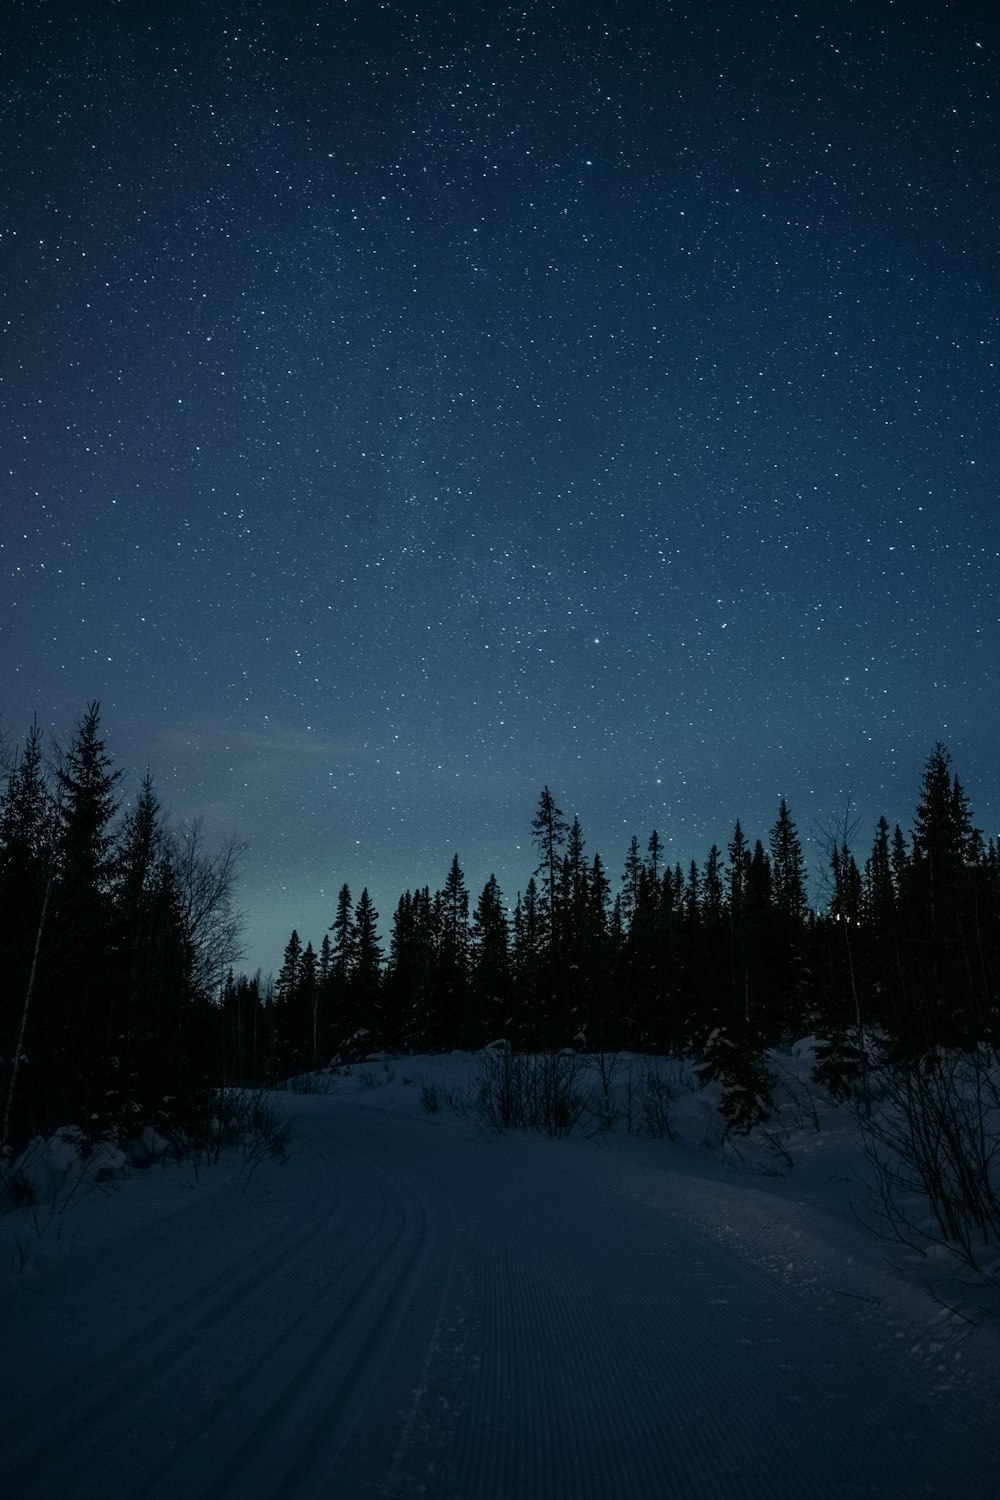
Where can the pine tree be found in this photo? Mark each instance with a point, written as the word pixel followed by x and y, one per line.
pixel 529 951
pixel 86 808
pixel 491 967
pixel 286 986
pixel 308 1002
pixel 154 956
pixel 455 917
pixel 840 1028
pixel 82 1008
pixel 451 979
pixel 631 882
pixel 654 854
pixel 366 982
pixel 945 896
pixel 345 937
pixel 548 830
pixel 787 872
pixel 27 873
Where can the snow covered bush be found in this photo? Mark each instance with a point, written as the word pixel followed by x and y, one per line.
pixel 49 1170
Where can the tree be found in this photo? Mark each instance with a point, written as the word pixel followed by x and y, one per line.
pixel 455 916
pixel 289 975
pixel 491 967
pixel 345 937
pixel 26 876
pixel 206 893
pixel 788 873
pixel 528 962
pixel 654 854
pixel 86 808
pixel 366 980
pixel 451 979
pixel 287 993
pixel 549 830
pixel 154 954
pixel 26 880
pixel 79 1020
pixel 948 906
pixel 841 1040
pixel 631 882
pixel 308 1005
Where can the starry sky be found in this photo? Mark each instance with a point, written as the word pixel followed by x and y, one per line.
pixel 403 407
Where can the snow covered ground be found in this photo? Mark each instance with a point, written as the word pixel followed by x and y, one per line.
pixel 416 1306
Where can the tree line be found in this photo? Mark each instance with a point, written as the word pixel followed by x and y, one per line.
pixel 722 962
pixel 120 1002
pixel 116 932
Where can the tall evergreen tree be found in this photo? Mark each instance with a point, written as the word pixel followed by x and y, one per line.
pixel 290 974
pixel 788 891
pixel 82 1014
pixel 548 830
pixel 366 985
pixel 944 900
pixel 491 967
pixel 451 980
pixel 631 881
pixel 27 872
pixel 529 959
pixel 345 937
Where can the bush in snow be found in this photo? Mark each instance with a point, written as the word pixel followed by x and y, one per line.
pixel 932 1139
pixel 58 1168
pixel 540 1090
pixel 430 1097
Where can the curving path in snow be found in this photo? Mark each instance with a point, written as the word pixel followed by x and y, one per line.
pixel 411 1308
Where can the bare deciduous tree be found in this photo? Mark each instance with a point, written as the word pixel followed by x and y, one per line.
pixel 206 889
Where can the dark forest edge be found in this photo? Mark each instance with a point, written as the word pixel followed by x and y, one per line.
pixel 122 1009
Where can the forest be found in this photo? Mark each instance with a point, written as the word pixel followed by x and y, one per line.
pixel 121 1002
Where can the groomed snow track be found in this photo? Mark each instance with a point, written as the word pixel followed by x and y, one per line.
pixel 412 1311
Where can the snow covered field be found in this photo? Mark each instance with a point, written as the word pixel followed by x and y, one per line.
pixel 416 1306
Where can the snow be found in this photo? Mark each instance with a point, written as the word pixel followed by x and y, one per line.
pixel 413 1305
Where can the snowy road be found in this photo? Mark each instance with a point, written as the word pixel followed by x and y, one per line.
pixel 412 1308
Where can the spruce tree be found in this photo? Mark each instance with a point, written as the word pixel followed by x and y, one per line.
pixel 82 1016
pixel 548 830
pixel 344 937
pixel 490 1010
pixel 451 980
pixel 945 899
pixel 366 980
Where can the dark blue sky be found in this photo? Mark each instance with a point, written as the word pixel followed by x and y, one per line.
pixel 403 408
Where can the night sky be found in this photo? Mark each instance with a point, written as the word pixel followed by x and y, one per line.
pixel 406 407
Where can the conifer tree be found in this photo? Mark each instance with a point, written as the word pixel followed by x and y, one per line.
pixel 289 975
pixel 631 882
pixel 307 1008
pixel 945 896
pixel 548 830
pixel 154 955
pixel 451 978
pixel 27 872
pixel 787 873
pixel 529 952
pixel 81 1011
pixel 491 967
pixel 366 980
pixel 345 937
pixel 654 854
